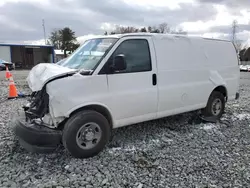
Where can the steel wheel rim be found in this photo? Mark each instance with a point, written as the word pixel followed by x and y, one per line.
pixel 216 107
pixel 89 135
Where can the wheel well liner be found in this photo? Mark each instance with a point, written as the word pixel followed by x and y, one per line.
pixel 221 89
pixel 98 108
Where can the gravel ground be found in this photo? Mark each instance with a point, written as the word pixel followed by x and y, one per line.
pixel 171 152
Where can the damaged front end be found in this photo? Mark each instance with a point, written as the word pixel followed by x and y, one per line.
pixel 33 133
pixel 34 128
pixel 38 110
pixel 38 106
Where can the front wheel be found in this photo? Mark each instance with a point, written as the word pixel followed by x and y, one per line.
pixel 215 106
pixel 86 133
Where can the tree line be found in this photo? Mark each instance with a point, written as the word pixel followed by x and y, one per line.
pixel 65 39
pixel 161 28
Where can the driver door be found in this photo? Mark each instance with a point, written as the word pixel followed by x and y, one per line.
pixel 133 91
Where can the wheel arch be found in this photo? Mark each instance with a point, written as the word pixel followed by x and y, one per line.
pixel 206 112
pixel 222 89
pixel 100 108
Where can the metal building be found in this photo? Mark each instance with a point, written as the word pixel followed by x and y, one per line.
pixel 26 56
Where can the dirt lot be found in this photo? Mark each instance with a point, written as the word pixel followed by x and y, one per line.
pixel 171 152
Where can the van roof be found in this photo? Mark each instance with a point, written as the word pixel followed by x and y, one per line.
pixel 160 35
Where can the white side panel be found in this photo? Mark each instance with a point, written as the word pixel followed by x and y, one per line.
pixel 183 78
pixel 5 53
pixel 187 69
pixel 132 97
pixel 223 61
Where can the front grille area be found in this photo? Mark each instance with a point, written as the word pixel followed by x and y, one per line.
pixel 39 105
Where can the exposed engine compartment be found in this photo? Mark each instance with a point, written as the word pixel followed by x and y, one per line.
pixel 37 109
pixel 38 105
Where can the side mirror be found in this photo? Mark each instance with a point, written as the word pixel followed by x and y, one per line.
pixel 119 63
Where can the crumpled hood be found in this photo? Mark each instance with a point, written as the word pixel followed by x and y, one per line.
pixel 44 72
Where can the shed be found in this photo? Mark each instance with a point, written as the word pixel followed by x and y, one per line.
pixel 26 56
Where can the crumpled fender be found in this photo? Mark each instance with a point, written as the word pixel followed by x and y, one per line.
pixel 71 93
pixel 42 73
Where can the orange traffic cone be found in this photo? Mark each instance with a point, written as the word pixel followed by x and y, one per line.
pixel 12 89
pixel 7 73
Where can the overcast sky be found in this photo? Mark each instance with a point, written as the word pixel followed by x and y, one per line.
pixel 21 20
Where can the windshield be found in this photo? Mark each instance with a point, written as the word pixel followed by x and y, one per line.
pixel 89 54
pixel 61 61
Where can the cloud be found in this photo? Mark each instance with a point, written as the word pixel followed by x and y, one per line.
pixel 234 6
pixel 229 3
pixel 120 11
pixel 222 22
pixel 30 15
pixel 21 20
pixel 228 29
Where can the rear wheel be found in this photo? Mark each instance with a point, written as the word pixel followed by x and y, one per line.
pixel 86 133
pixel 215 106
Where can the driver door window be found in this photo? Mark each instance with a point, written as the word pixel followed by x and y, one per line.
pixel 137 56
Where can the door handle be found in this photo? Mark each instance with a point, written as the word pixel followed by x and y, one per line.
pixel 154 79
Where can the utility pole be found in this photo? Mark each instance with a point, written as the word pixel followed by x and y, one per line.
pixel 44 32
pixel 234 28
pixel 237 43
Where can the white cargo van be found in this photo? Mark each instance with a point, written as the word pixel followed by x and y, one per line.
pixel 119 80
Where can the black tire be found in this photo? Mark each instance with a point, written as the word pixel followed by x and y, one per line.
pixel 208 110
pixel 75 123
